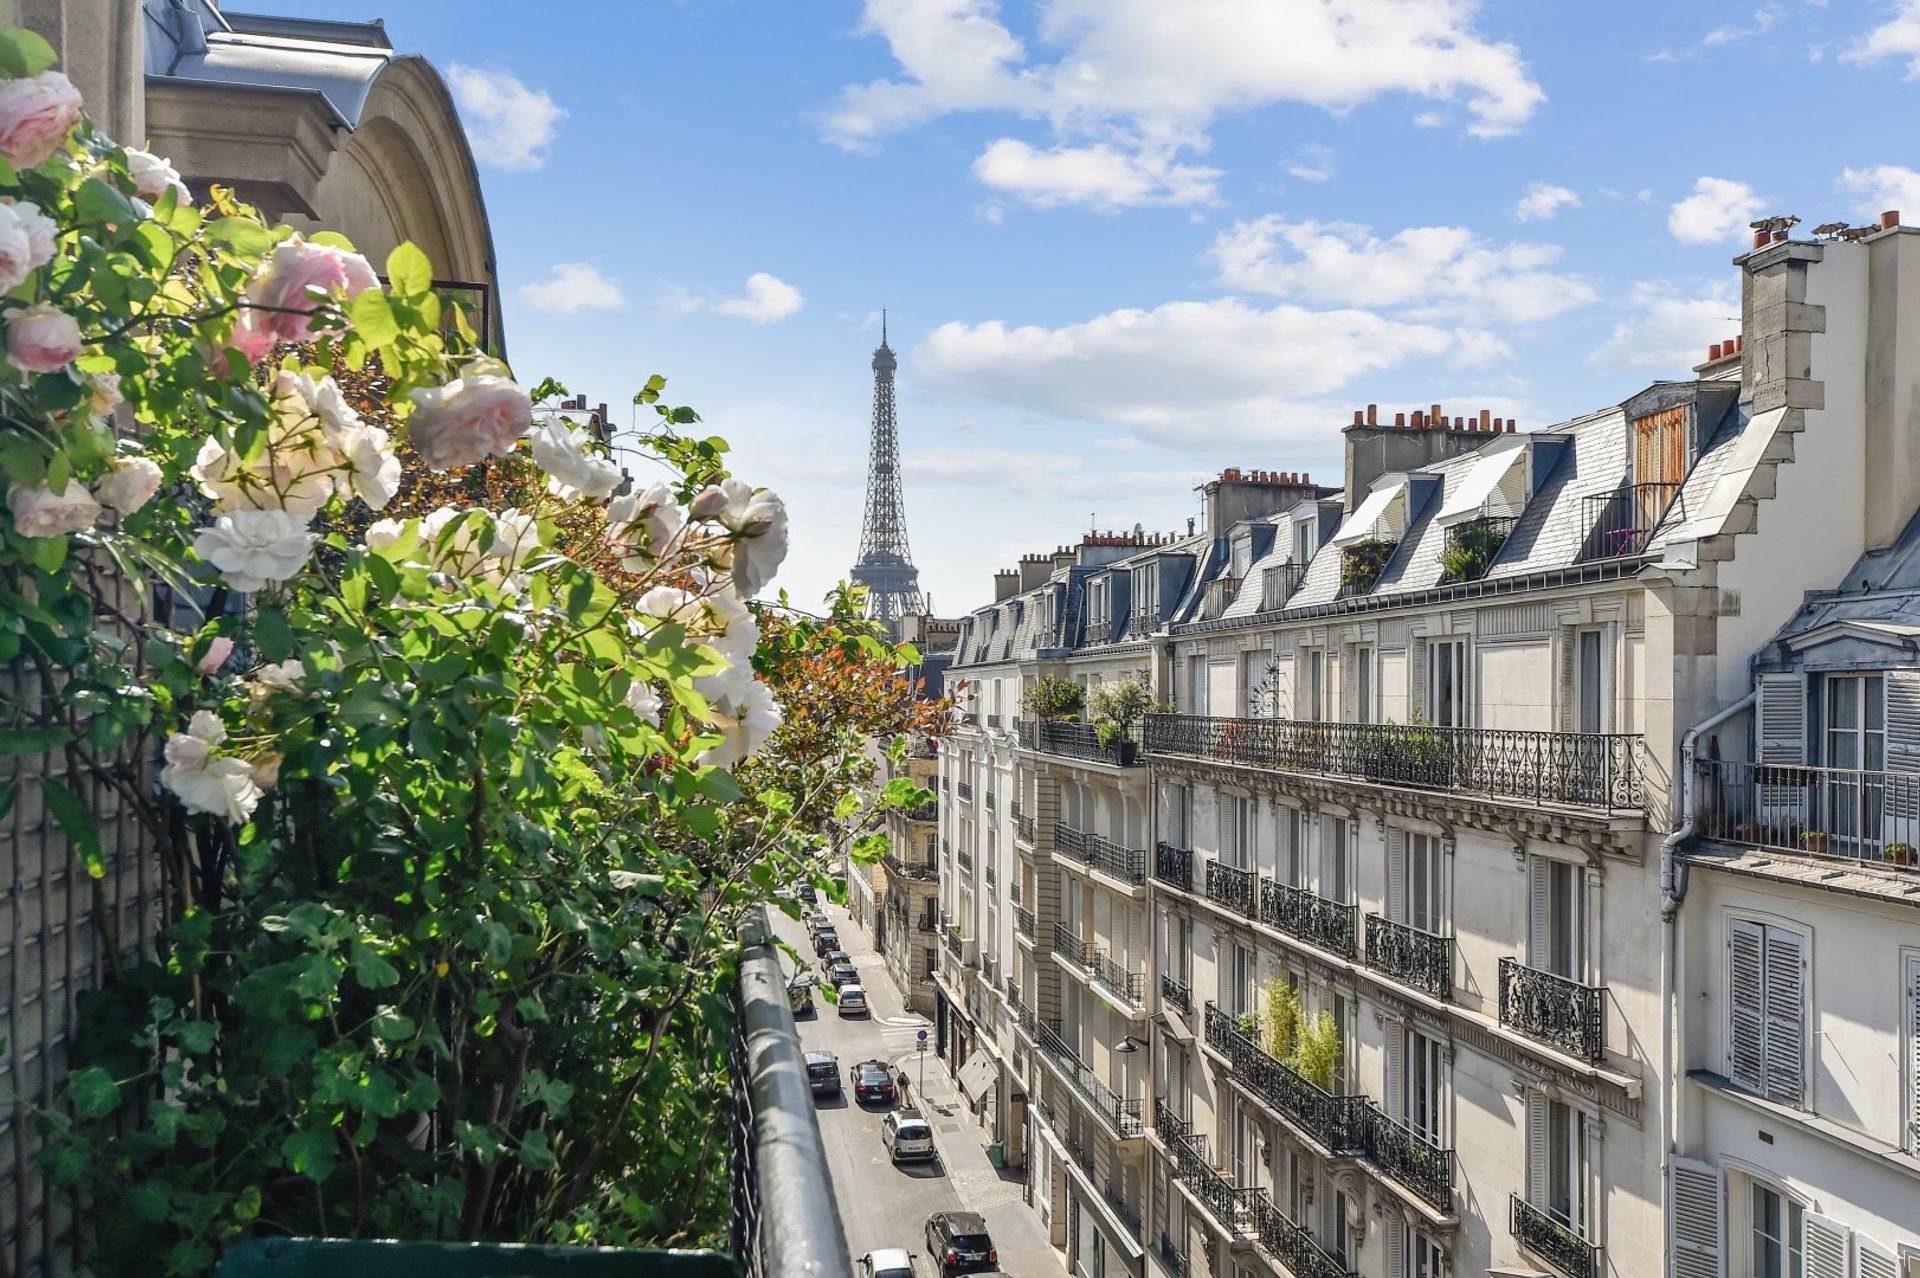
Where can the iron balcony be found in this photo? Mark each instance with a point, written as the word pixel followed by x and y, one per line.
pixel 1622 522
pixel 1233 888
pixel 1308 916
pixel 1574 769
pixel 1851 815
pixel 1553 1010
pixel 1230 1205
pixel 1124 983
pixel 1076 741
pixel 1415 958
pixel 1176 992
pixel 1023 828
pixel 1122 1116
pixel 1023 921
pixel 1097 852
pixel 1289 1243
pixel 1552 1241
pixel 920 871
pixel 1068 945
pixel 965 856
pixel 1173 866
pixel 964 789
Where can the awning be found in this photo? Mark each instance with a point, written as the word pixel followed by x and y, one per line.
pixel 1385 505
pixel 978 1076
pixel 1710 513
pixel 1469 497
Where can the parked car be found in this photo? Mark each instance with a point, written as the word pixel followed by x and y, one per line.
pixel 825 942
pixel 958 1243
pixel 872 1082
pixel 853 1001
pixel 887 1262
pixel 842 974
pixel 800 994
pixel 807 893
pixel 907 1135
pixel 823 1073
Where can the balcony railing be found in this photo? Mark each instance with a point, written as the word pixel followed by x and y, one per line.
pixel 1127 984
pixel 1621 522
pixel 992 801
pixel 964 789
pixel 920 871
pixel 1289 1243
pixel 1023 921
pixel 1552 1241
pixel 1277 585
pixel 1024 828
pixel 1235 889
pixel 1846 813
pixel 1312 918
pixel 1174 866
pixel 1069 841
pixel 993 877
pixel 1129 865
pixel 1556 1011
pixel 1076 741
pixel 1232 1206
pixel 922 812
pixel 993 721
pixel 1176 992
pixel 956 944
pixel 1578 769
pixel 1068 945
pixel 1123 1116
pixel 965 856
pixel 1423 960
pixel 1362 564
pixel 926 923
pixel 1411 1159
pixel 1472 545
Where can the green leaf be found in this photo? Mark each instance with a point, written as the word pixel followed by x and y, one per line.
pixel 93 1092
pixel 409 273
pixel 371 970
pixel 22 53
pixel 77 822
pixel 373 319
pixel 97 203
pixel 310 1152
pixel 242 236
pixel 271 632
pixel 535 1153
pixel 15 741
pixel 390 1026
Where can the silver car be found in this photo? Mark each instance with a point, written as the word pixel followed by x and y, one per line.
pixel 907 1135
pixel 887 1262
pixel 853 1001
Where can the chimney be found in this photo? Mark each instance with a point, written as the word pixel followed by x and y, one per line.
pixel 1889 219
pixel 1400 420
pixel 1713 352
pixel 1006 584
pixel 1759 239
pixel 1373 414
pixel 1486 419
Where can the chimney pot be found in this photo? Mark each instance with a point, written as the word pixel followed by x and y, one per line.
pixel 1400 420
pixel 1779 237
pixel 1509 425
pixel 1713 351
pixel 1359 417
pixel 1889 219
pixel 1419 419
pixel 1759 239
pixel 1486 418
pixel 1727 347
pixel 1373 414
pixel 1435 412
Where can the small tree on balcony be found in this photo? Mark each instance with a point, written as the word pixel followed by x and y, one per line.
pixel 1054 697
pixel 1317 1053
pixel 1118 708
pixel 1279 1018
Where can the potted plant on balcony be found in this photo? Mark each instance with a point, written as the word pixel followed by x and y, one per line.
pixel 1362 563
pixel 1279 1018
pixel 1248 1023
pixel 1902 854
pixel 1117 709
pixel 1814 841
pixel 1471 547
pixel 1053 697
pixel 1317 1053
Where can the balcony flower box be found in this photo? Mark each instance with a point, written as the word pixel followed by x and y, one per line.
pixel 1903 855
pixel 1814 841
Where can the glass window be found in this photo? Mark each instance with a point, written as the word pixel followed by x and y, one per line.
pixel 1302 541
pixel 1363 685
pixel 1423 882
pixel 1565 1183
pixel 1778 1242
pixel 1425 1259
pixel 1296 854
pixel 1314 676
pixel 1422 1085
pixel 1589 678
pixel 1339 884
pixel 1447 684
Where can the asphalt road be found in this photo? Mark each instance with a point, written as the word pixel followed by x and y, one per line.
pixel 880 1205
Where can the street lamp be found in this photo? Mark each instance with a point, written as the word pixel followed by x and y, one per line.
pixel 1129 1045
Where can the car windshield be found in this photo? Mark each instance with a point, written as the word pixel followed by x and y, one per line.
pixel 972 1242
pixel 914 1130
pixel 820 1067
pixel 871 1073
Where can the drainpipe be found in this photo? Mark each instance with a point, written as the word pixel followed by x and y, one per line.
pixel 1673 891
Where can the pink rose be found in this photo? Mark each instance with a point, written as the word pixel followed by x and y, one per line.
pixel 467 420
pixel 217 653
pixel 41 339
pixel 252 339
pixel 41 512
pixel 36 114
pixel 299 276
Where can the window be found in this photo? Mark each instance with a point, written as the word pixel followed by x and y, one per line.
pixel 1912 1141
pixel 1146 592
pixel 1179 806
pixel 1767 1015
pixel 1197 685
pixel 1299 1187
pixel 1242 993
pixel 1557 1161
pixel 1363 685
pixel 928 963
pixel 1556 937
pixel 1097 602
pixel 1246 1149
pixel 1778 1241
pixel 1241 850
pixel 1420 1084
pixel 1312 692
pixel 1295 857
pixel 1590 693
pixel 1337 1006
pixel 1413 879
pixel 1242 555
pixel 1855 738
pixel 1337 1232
pixel 1447 684
pixel 1336 857
pixel 1302 541
pixel 1424 1257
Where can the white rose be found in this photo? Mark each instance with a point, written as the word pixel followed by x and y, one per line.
pixel 42 338
pixel 667 604
pixel 130 485
pixel 745 731
pixel 727 690
pixel 265 770
pixel 254 547
pixel 223 786
pixel 153 176
pixel 758 521
pixel 572 470
pixel 643 526
pixel 16 249
pixel 468 420
pixel 41 512
pixel 43 233
pixel 644 701
pixel 372 465
pixel 281 676
pixel 515 537
pixel 295 472
pixel 382 533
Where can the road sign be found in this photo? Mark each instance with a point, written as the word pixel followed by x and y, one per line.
pixel 922 1036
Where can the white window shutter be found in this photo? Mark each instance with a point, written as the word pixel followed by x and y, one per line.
pixel 1913 1054
pixel 1786 1008
pixel 1537 1154
pixel 1539 890
pixel 1826 1249
pixel 1783 718
pixel 1746 1052
pixel 1566 698
pixel 1872 1259
pixel 1396 874
pixel 1393 1071
pixel 1325 886
pixel 1696 1203
pixel 1396 1249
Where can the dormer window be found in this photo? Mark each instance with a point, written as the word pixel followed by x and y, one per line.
pixel 1241 557
pixel 1303 542
pixel 1146 591
pixel 1097 601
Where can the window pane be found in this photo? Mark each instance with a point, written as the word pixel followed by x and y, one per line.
pixel 1591 719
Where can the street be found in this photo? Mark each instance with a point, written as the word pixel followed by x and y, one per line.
pixel 882 1205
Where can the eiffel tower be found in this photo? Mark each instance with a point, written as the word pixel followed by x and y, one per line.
pixel 885 566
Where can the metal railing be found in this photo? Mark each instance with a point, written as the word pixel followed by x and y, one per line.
pixel 1278 583
pixel 1416 958
pixel 993 721
pixel 1023 827
pixel 1362 564
pixel 1076 741
pixel 1235 889
pixel 965 857
pixel 1411 1159
pixel 1852 814
pixel 1562 1013
pixel 1472 545
pixel 964 789
pixel 1023 921
pixel 993 876
pixel 1100 853
pixel 1298 1252
pixel 1621 522
pixel 1552 1241
pixel 1070 841
pixel 1122 1116
pixel 1127 984
pixel 1229 1204
pixel 992 801
pixel 1173 865
pixel 1308 916
pixel 921 811
pixel 921 871
pixel 1577 769
pixel 926 923
pixel 1176 992
pixel 784 1218
pixel 1068 945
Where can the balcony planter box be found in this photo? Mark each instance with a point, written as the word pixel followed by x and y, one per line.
pixel 1903 855
pixel 1814 841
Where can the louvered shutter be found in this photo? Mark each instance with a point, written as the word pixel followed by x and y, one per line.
pixel 1746 961
pixel 1695 1209
pixel 1539 912
pixel 1786 999
pixel 1826 1248
pixel 1872 1259
pixel 1565 697
pixel 1396 874
pixel 1396 1249
pixel 1393 1068
pixel 1417 682
pixel 1781 727
pixel 1327 836
pixel 1902 803
pixel 1913 1054
pixel 1536 1148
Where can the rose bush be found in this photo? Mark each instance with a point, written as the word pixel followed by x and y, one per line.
pixel 469 769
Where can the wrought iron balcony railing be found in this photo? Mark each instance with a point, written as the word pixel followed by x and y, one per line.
pixel 993 876
pixel 920 871
pixel 1227 1203
pixel 1123 982
pixel 922 812
pixel 964 789
pixel 1173 866
pixel 1122 1116
pixel 1361 565
pixel 965 857
pixel 1176 992
pixel 1068 945
pixel 1023 921
pixel 1076 741
pixel 1620 523
pixel 1556 1011
pixel 1289 1243
pixel 1129 865
pixel 1310 917
pixel 992 801
pixel 1575 769
pixel 926 923
pixel 1416 958
pixel 1411 1159
pixel 993 721
pixel 1235 889
pixel 1472 546
pixel 1069 841
pixel 1023 828
pixel 956 944
pixel 1851 814
pixel 1553 1242
pixel 1278 583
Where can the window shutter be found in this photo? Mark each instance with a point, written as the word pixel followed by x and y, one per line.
pixel 1746 948
pixel 1913 1053
pixel 1903 755
pixel 1826 1249
pixel 1396 1249
pixel 1783 718
pixel 1786 1038
pixel 1565 698
pixel 1538 912
pixel 1695 1207
pixel 1872 1259
pixel 1417 682
pixel 1396 874
pixel 1393 1052
pixel 1325 886
pixel 1537 1154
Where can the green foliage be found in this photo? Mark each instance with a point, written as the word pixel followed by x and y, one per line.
pixel 1053 697
pixel 1471 547
pixel 1362 563
pixel 1279 1018
pixel 1118 707
pixel 1316 1056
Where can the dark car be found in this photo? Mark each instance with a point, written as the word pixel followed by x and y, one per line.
pixel 825 941
pixel 823 1073
pixel 807 894
pixel 872 1083
pixel 958 1243
pixel 842 974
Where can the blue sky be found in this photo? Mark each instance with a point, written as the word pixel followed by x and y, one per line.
pixel 1124 243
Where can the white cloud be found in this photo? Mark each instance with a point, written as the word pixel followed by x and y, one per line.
pixel 1718 210
pixel 1882 187
pixel 1100 176
pixel 1182 366
pixel 1435 272
pixel 767 300
pixel 1312 163
pixel 1148 77
pixel 1765 19
pixel 1543 201
pixel 508 124
pixel 575 286
pixel 1897 37
pixel 1668 330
